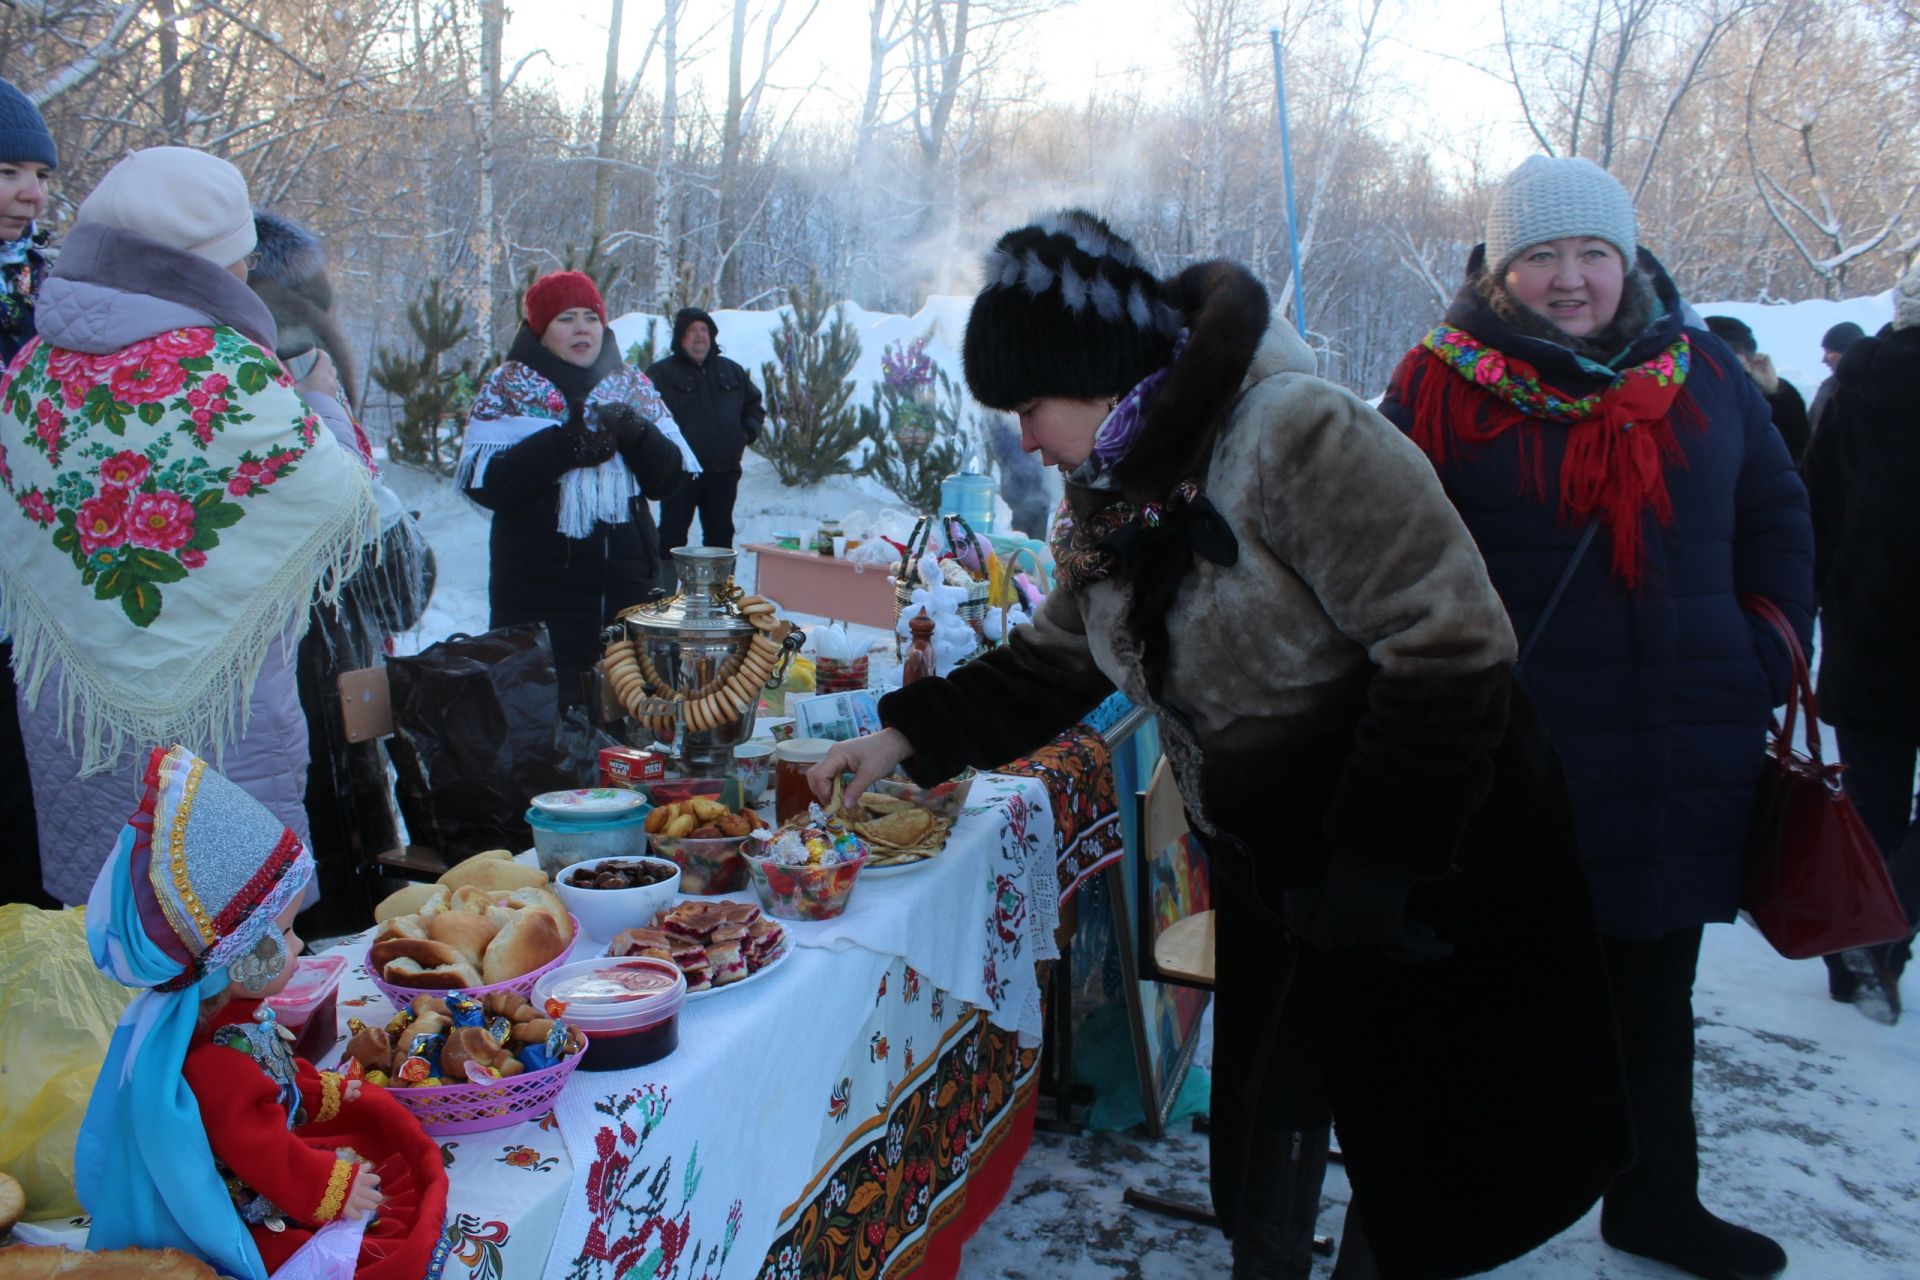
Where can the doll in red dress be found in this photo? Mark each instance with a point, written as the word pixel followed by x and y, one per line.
pixel 204 1132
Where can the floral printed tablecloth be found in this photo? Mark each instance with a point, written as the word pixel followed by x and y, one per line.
pixel 827 1118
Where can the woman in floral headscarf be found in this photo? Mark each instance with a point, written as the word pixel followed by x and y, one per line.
pixel 1605 451
pixel 173 505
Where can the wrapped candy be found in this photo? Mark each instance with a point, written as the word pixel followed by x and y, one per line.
pixel 537 1057
pixel 465 1010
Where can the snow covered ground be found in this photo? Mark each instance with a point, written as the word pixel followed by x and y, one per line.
pixel 1809 1130
pixel 1810 1114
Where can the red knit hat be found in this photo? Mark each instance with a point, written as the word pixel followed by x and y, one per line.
pixel 560 291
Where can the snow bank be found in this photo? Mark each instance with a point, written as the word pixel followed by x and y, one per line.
pixel 1790 332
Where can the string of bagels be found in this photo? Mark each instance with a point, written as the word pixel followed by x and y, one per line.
pixel 730 694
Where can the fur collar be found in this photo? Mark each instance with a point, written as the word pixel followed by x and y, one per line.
pixel 1227 314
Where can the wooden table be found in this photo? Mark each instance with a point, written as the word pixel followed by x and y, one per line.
pixel 807 582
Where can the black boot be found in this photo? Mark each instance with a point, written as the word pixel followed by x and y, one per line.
pixel 1279 1204
pixel 1654 1209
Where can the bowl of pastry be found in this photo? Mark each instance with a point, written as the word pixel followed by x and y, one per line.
pixel 438 938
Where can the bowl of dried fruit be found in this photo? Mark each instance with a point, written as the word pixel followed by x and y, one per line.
pixel 607 895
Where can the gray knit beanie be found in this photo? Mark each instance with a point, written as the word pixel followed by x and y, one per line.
pixel 23 133
pixel 1906 300
pixel 1551 197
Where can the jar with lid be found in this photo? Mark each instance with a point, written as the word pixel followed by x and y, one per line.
pixel 823 540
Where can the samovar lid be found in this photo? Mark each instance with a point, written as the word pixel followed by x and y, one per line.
pixel 703 609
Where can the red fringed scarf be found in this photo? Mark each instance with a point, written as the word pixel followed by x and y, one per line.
pixel 1620 439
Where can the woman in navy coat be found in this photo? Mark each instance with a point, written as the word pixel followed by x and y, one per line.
pixel 1587 432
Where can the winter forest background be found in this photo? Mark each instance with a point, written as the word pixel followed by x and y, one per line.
pixel 438 145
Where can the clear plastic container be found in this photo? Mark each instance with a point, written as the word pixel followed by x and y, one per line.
pixel 561 842
pixel 629 1007
pixel 307 1006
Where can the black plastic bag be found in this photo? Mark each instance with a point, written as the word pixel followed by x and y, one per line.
pixel 474 739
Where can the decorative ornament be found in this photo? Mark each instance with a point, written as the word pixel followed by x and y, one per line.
pixel 256 968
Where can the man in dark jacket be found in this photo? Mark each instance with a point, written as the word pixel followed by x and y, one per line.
pixel 718 408
pixel 1783 398
pixel 1862 474
pixel 1833 345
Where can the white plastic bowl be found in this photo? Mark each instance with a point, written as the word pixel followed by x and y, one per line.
pixel 605 912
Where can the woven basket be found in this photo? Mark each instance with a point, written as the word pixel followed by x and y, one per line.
pixel 973 610
pixel 469 1108
pixel 402 997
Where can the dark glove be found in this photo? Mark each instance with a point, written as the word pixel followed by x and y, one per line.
pixel 622 421
pixel 582 446
pixel 1360 904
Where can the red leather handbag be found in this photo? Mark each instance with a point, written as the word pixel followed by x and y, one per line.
pixel 1814 881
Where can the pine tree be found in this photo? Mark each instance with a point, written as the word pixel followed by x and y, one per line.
pixel 810 425
pixel 914 426
pixel 433 399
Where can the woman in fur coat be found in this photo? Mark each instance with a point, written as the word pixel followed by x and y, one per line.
pixel 566 445
pixel 1595 442
pixel 1404 946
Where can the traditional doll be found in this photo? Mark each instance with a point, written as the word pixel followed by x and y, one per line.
pixel 204 1132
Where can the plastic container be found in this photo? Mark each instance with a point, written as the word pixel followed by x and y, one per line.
pixel 561 842
pixel 589 804
pixel 307 1005
pixel 971 496
pixel 708 866
pixel 629 1008
pixel 605 912
pixel 804 892
pixel 444 1110
pixel 942 800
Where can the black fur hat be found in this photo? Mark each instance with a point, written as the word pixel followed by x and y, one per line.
pixel 1068 310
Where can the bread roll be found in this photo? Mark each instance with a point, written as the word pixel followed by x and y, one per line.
pixel 402 927
pixel 494 870
pixel 13 1202
pixel 544 900
pixel 405 902
pixel 465 932
pixel 35 1262
pixel 406 972
pixel 423 951
pixel 529 941
pixel 471 898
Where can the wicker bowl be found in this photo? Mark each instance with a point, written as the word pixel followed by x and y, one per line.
pixel 402 997
pixel 469 1108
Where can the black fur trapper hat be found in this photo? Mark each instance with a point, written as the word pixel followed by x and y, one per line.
pixel 1068 310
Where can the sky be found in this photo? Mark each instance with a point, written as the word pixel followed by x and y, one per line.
pixel 1092 46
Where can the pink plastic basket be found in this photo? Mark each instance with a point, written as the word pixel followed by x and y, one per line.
pixel 469 1108
pixel 402 997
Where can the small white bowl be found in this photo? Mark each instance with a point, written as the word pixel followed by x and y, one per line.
pixel 605 912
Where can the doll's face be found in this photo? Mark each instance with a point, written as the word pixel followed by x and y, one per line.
pixel 278 983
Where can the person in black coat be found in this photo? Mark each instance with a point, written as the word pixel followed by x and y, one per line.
pixel 1592 440
pixel 1863 475
pixel 718 407
pixel 1833 345
pixel 1784 401
pixel 565 445
pixel 28 164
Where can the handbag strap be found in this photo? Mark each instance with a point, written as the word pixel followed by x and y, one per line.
pixel 1800 699
pixel 1559 590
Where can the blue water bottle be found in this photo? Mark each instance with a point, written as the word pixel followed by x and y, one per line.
pixel 970 495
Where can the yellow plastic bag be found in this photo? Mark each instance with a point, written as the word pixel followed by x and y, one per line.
pixel 57 1014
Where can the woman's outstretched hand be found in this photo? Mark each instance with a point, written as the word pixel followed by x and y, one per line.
pixel 868 758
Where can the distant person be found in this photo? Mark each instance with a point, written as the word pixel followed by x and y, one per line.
pixel 178 503
pixel 718 407
pixel 27 161
pixel 1565 397
pixel 1833 344
pixel 1789 410
pixel 565 445
pixel 1863 474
